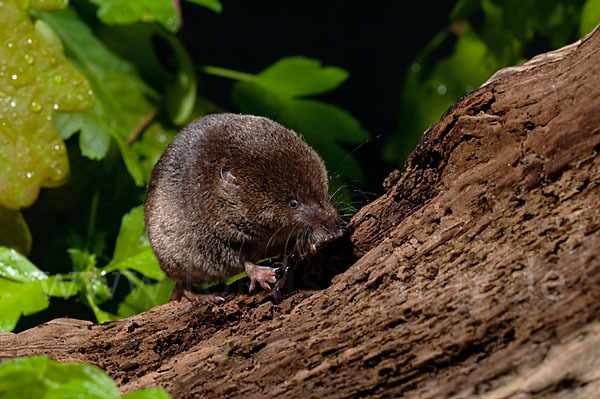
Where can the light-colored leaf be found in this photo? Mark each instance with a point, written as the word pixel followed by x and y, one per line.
pixel 18 299
pixel 125 12
pixel 60 287
pixel 40 377
pixel 35 81
pixel 17 267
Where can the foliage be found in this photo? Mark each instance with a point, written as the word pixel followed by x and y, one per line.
pixel 484 35
pixel 94 91
pixel 43 378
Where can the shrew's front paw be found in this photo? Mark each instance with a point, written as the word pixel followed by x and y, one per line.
pixel 260 274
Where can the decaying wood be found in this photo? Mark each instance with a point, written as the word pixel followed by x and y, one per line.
pixel 477 273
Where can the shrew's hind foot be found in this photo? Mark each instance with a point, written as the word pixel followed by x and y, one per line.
pixel 196 297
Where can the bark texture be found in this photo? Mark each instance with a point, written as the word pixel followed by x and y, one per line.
pixel 477 274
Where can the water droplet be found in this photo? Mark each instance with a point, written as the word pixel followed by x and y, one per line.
pixel 14 77
pixel 29 175
pixel 90 92
pixel 35 106
pixel 29 41
pixel 9 44
pixel 57 79
pixel 13 104
pixel 29 59
pixel 441 90
pixel 49 118
pixel 75 83
pixel 170 21
pixel 55 106
pixel 56 147
pixel 416 67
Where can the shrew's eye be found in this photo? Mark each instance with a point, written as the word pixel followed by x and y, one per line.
pixel 293 203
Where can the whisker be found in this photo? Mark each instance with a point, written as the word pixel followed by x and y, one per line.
pixel 289 236
pixel 271 239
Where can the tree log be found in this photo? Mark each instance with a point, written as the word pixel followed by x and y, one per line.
pixel 477 274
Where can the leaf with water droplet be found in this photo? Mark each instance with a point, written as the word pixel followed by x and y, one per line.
pixel 17 267
pixel 28 135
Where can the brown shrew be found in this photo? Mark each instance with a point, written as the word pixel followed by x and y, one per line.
pixel 230 190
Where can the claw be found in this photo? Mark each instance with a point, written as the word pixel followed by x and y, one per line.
pixel 195 297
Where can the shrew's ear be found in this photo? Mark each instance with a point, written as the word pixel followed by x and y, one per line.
pixel 228 178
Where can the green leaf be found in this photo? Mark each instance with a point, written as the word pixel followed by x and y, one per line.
pixel 96 292
pixel 153 142
pixel 590 16
pixel 177 78
pixel 299 76
pixel 94 143
pixel 132 249
pixel 125 12
pixel 36 79
pixel 317 120
pixel 60 286
pixel 40 377
pixel 214 5
pixel 143 262
pixel 180 95
pixel 429 91
pixel 131 237
pixel 14 232
pixel 24 377
pixel 124 102
pixel 18 299
pixel 82 260
pixel 144 297
pixel 16 267
pixel 254 99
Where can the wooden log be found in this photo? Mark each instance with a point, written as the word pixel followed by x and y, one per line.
pixel 477 274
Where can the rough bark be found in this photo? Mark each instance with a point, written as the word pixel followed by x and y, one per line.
pixel 477 274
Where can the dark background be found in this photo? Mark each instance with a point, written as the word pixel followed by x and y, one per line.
pixel 374 41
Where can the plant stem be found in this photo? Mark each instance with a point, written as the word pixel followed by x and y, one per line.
pixel 93 213
pixel 227 73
